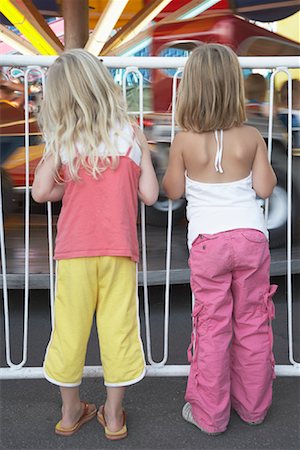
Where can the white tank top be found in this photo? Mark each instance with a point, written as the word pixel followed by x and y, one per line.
pixel 216 207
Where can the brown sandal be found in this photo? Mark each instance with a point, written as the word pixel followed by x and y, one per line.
pixel 85 417
pixel 112 435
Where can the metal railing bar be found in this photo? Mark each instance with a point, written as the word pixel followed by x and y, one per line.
pixel 154 62
pixel 151 371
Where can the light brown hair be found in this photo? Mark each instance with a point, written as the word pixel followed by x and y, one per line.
pixel 211 93
pixel 283 94
pixel 256 87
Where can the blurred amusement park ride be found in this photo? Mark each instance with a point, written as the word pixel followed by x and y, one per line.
pixel 176 28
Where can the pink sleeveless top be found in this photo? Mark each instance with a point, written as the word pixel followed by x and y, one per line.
pixel 98 216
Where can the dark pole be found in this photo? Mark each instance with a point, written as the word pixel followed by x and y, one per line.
pixel 76 22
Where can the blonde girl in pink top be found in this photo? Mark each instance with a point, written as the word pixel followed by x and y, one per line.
pixel 98 164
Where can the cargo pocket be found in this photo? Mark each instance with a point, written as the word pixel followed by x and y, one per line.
pixel 200 323
pixel 269 308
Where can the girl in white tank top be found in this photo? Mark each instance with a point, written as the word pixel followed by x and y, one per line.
pixel 221 165
pixel 215 207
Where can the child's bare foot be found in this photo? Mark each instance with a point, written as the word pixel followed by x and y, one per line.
pixel 72 417
pixel 114 421
pixel 114 428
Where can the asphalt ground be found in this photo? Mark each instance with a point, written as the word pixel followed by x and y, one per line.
pixel 30 408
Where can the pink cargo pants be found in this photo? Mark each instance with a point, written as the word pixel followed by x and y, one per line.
pixel 232 363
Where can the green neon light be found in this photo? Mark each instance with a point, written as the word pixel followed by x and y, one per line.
pixel 199 9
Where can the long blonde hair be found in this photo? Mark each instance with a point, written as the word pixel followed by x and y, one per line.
pixel 211 92
pixel 82 108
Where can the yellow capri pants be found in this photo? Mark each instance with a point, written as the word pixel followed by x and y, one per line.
pixel 104 286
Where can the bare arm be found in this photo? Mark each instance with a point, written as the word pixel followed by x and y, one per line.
pixel 45 188
pixel 148 184
pixel 174 181
pixel 263 177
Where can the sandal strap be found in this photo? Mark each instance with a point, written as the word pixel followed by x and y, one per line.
pixel 85 407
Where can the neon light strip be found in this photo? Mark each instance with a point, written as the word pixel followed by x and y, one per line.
pixel 199 9
pixel 25 27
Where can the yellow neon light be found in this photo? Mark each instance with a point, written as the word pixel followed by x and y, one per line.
pixel 26 28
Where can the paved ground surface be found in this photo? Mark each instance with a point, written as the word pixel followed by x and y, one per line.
pixel 154 420
pixel 30 408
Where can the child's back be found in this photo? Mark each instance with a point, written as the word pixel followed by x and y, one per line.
pixel 218 180
pixel 239 149
pixel 98 215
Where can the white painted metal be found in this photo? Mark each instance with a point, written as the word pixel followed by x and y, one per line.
pixel 155 62
pixel 50 256
pixel 27 224
pixel 29 373
pixel 289 197
pixel 174 93
pixel 155 369
pixel 144 250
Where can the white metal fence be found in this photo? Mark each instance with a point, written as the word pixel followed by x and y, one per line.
pixel 19 370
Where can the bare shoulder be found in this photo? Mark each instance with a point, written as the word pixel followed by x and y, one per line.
pixel 183 138
pixel 182 135
pixel 251 132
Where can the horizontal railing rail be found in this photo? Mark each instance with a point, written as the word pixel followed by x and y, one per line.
pixel 154 62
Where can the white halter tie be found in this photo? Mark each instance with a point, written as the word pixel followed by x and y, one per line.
pixel 219 153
